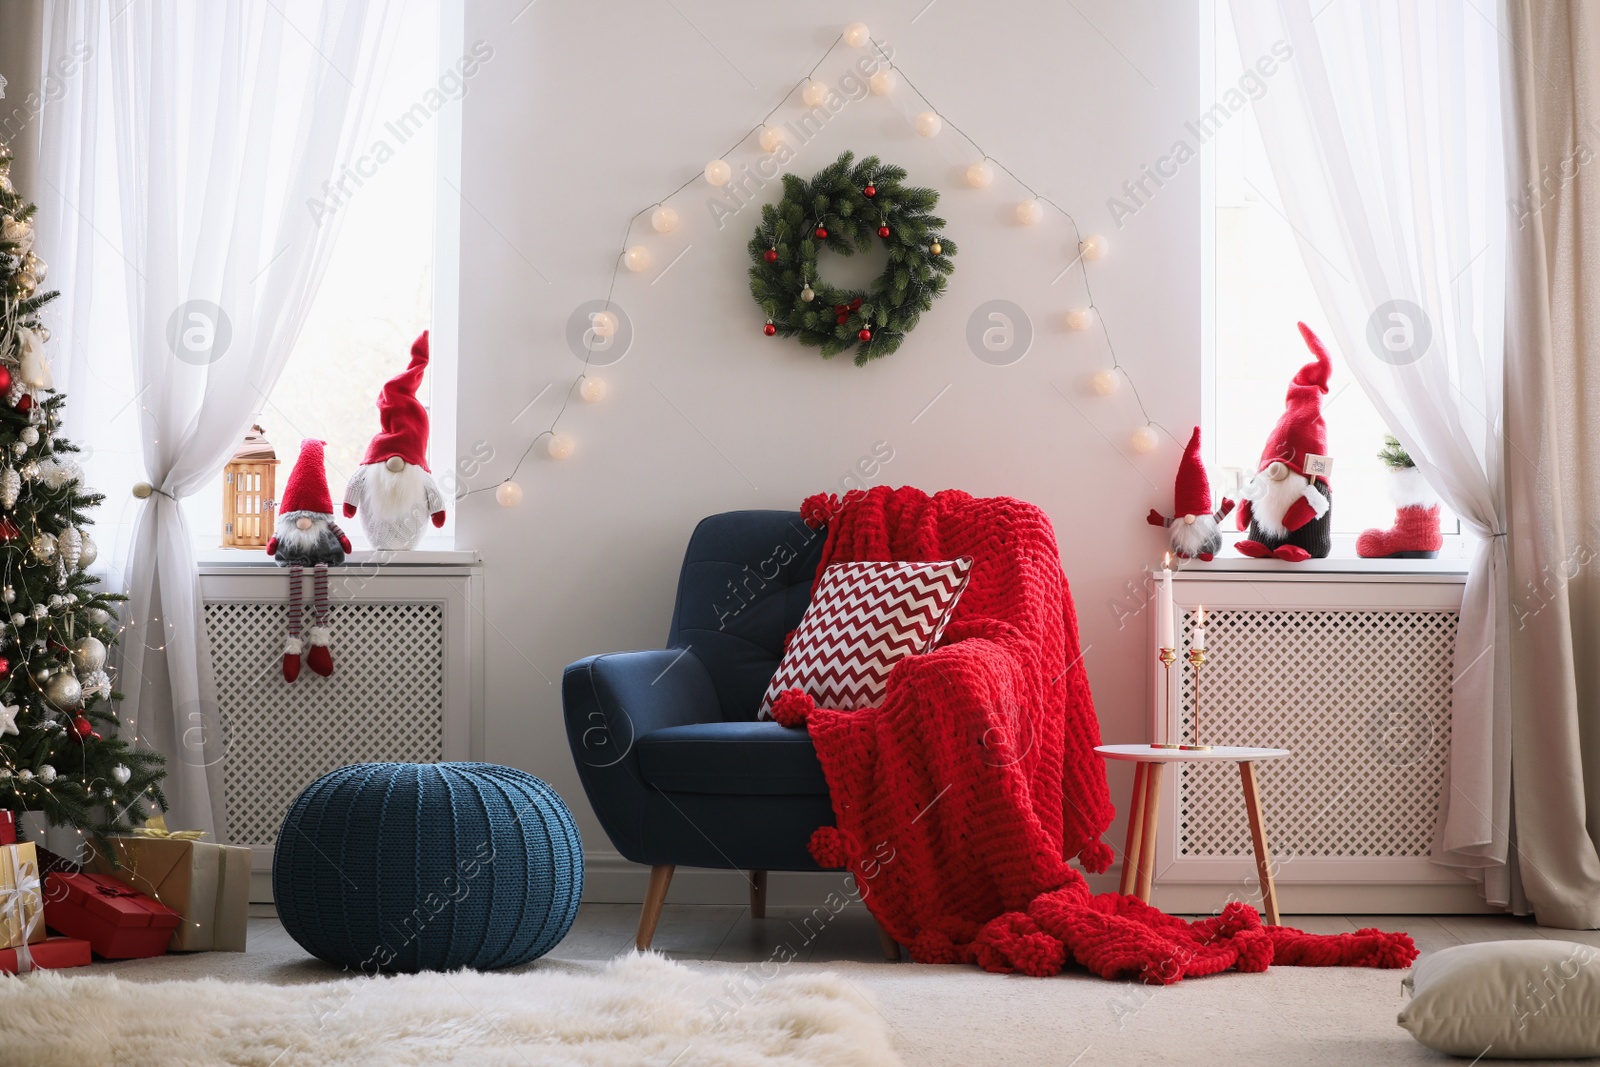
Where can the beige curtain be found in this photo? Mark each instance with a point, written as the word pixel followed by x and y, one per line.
pixel 1552 461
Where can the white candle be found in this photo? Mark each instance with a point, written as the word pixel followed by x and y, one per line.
pixel 1198 642
pixel 1168 627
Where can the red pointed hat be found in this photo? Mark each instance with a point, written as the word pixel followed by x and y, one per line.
pixel 404 419
pixel 307 488
pixel 1300 431
pixel 1192 493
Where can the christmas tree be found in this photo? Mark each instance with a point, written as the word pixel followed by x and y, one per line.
pixel 55 621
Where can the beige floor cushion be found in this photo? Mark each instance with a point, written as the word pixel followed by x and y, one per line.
pixel 1533 999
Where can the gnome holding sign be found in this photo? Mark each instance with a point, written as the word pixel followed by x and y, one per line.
pixel 1287 506
pixel 1195 529
pixel 393 490
pixel 307 536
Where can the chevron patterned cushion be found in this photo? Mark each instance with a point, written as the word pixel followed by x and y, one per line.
pixel 863 619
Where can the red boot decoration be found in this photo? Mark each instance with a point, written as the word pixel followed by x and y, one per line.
pixel 1415 533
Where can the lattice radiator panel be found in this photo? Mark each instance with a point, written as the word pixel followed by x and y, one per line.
pixel 384 701
pixel 1362 699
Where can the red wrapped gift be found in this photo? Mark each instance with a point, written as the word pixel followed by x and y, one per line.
pixel 48 955
pixel 119 923
pixel 8 828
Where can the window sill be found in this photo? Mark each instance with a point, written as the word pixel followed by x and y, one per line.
pixel 211 558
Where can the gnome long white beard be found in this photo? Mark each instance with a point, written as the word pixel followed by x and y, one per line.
pixel 1271 498
pixel 394 507
pixel 1196 538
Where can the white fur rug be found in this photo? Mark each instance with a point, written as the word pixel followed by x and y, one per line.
pixel 640 1010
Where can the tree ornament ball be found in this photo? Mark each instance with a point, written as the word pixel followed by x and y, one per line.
pixel 142 490
pixel 835 212
pixel 1106 382
pixel 82 726
pixel 88 655
pixel 24 402
pixel 593 389
pixel 1143 441
pixel 508 494
pixel 936 249
pixel 928 124
pixel 120 774
pixel 29 435
pixel 637 258
pixel 1080 319
pixel 882 83
pixel 89 552
pixel 18 620
pixel 44 546
pixel 856 34
pixel 663 220
pixel 1094 247
pixel 561 446
pixel 99 616
pixel 1029 212
pixel 47 774
pixel 814 93
pixel 980 174
pixel 9 594
pixel 64 690
pixel 769 329
pixel 770 255
pixel 5 380
pixel 718 172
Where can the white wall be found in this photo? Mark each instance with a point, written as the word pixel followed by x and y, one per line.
pixel 588 112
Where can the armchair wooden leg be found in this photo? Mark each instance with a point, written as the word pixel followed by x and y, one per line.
pixel 758 894
pixel 660 879
pixel 891 947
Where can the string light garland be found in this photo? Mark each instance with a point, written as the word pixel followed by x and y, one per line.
pixel 928 123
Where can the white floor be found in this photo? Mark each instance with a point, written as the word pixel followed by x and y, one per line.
pixel 961 1016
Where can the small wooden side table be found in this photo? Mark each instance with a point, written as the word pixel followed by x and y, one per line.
pixel 1139 857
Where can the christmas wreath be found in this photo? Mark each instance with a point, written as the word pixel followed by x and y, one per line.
pixel 842 208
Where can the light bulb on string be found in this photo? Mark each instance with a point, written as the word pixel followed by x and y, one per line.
pixel 771 138
pixel 1105 382
pixel 637 258
pixel 1029 212
pixel 560 446
pixel 1143 441
pixel 928 124
pixel 593 389
pixel 604 324
pixel 663 219
pixel 856 34
pixel 1093 246
pixel 882 83
pixel 508 494
pixel 1080 319
pixel 718 172
pixel 813 94
pixel 980 174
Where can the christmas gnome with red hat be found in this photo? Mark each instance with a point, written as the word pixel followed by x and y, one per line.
pixel 307 536
pixel 1288 505
pixel 393 490
pixel 1195 529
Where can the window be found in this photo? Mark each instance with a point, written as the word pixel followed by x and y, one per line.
pixel 379 290
pixel 1259 289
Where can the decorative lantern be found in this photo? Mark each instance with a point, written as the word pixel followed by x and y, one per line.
pixel 249 492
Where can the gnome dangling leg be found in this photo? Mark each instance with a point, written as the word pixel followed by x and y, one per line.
pixel 307 536
pixel 1288 505
pixel 1195 529
pixel 393 490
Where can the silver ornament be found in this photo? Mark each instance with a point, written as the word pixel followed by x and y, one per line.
pixel 97 684
pixel 40 610
pixel 99 616
pixel 44 546
pixel 25 775
pixel 121 774
pixel 29 435
pixel 30 470
pixel 89 551
pixel 18 619
pixel 89 655
pixel 64 690
pixel 10 487
pixel 19 449
pixel 42 675
pixel 807 294
pixel 47 773
pixel 71 545
pixel 9 594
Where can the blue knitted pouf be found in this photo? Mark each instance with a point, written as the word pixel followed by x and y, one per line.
pixel 427 867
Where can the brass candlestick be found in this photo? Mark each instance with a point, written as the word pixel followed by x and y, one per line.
pixel 1167 656
pixel 1197 659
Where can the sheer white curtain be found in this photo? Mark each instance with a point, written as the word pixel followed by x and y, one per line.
pixel 1384 135
pixel 216 128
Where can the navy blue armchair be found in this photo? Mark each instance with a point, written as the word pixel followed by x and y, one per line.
pixel 668 747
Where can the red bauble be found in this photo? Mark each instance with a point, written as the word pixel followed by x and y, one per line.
pixel 5 666
pixel 25 403
pixel 82 726
pixel 8 530
pixel 769 329
pixel 822 231
pixel 770 255
pixel 871 190
pixel 5 380
pixel 865 335
pixel 883 231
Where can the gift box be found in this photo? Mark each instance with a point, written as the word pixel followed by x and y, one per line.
pixel 206 883
pixel 119 923
pixel 21 903
pixel 50 954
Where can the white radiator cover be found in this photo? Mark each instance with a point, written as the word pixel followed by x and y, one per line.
pixel 406 685
pixel 1353 675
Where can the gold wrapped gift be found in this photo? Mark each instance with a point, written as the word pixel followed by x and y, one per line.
pixel 206 883
pixel 21 897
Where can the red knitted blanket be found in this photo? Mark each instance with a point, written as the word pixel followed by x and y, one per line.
pixel 960 801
